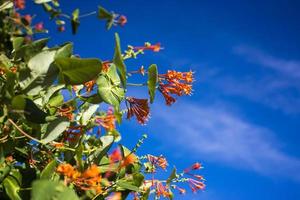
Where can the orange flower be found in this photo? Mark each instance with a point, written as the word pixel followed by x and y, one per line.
pixel 115 196
pixel 122 20
pixel 196 185
pixel 20 4
pixel 105 66
pixel 88 180
pixel 162 190
pixel 176 83
pixel 115 156
pixel 155 48
pixel 89 85
pixel 130 159
pixel 107 121
pixel 27 18
pixel 158 161
pixel 66 111
pixel 139 108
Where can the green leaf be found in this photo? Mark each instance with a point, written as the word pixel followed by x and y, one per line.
pixel 65 50
pixel 93 99
pixel 17 42
pixel 172 176
pixel 118 60
pixel 55 129
pixel 87 113
pixel 6 5
pixel 104 14
pixel 11 188
pixel 126 185
pixel 75 71
pixel 107 142
pixel 49 170
pixel 31 111
pixel 152 81
pixel 29 50
pixel 109 87
pixel 49 190
pixel 75 21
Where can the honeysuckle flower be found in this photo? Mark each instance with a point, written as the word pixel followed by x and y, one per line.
pixel 107 121
pixel 61 28
pixel 122 20
pixel 27 18
pixel 39 27
pixel 181 190
pixel 130 159
pixel 90 179
pixel 115 196
pixel 162 190
pixel 175 83
pixel 115 156
pixel 105 66
pixel 66 111
pixel 138 108
pixel 196 185
pixel 20 4
pixel 195 166
pixel 155 47
pixel 90 85
pixel 159 161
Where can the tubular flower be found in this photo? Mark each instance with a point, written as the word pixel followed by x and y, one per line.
pixel 195 166
pixel 176 83
pixel 115 156
pixel 20 4
pixel 27 18
pixel 88 180
pixel 122 20
pixel 90 85
pixel 158 161
pixel 130 159
pixel 181 190
pixel 162 190
pixel 155 47
pixel 105 66
pixel 196 185
pixel 107 121
pixel 66 111
pixel 39 27
pixel 115 196
pixel 138 108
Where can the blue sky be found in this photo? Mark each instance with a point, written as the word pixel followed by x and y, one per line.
pixel 242 123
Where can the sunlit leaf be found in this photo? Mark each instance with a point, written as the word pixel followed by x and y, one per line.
pixel 152 81
pixel 55 129
pixel 118 60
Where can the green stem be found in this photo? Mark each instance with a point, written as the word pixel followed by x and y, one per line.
pixel 24 133
pixel 136 84
pixel 88 14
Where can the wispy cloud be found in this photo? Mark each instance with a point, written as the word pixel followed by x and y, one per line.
pixel 216 134
pixel 288 67
pixel 278 87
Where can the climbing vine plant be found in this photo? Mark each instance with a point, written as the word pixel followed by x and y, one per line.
pixel 55 141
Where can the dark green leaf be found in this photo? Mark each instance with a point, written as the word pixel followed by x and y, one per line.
pixel 55 129
pixel 152 81
pixel 75 21
pixel 76 71
pixel 93 99
pixel 49 170
pixel 104 14
pixel 118 60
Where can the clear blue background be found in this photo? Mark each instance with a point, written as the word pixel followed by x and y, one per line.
pixel 242 123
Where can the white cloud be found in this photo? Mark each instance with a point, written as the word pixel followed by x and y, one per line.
pixel 216 134
pixel 289 67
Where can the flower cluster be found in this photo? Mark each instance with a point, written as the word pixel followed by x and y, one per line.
pixel 175 83
pixel 90 179
pixel 138 108
pixel 107 121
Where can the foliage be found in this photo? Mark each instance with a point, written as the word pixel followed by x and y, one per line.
pixel 55 141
